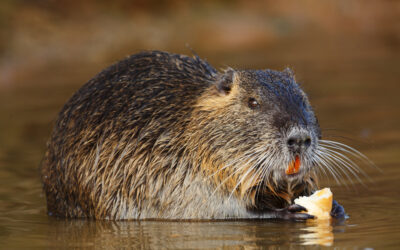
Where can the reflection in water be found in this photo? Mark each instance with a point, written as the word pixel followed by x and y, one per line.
pixel 185 235
pixel 317 233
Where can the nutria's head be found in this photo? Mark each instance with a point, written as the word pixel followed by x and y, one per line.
pixel 249 127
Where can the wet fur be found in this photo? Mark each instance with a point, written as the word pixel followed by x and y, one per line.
pixel 161 135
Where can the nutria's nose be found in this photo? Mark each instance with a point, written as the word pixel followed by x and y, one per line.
pixel 299 142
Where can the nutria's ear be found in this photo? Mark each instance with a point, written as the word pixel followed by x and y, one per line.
pixel 289 72
pixel 225 82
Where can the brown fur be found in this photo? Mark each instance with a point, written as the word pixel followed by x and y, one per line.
pixel 153 136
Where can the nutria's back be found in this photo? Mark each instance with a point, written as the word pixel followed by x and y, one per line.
pixel 161 135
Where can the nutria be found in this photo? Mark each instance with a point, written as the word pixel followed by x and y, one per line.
pixel 166 136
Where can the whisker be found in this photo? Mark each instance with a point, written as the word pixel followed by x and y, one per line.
pixel 232 163
pixel 227 178
pixel 322 168
pixel 351 163
pixel 335 146
pixel 337 157
pixel 331 170
pixel 266 168
pixel 241 179
pixel 262 169
pixel 250 169
pixel 351 150
pixel 320 171
pixel 340 166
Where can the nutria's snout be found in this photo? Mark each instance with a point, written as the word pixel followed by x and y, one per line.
pixel 298 142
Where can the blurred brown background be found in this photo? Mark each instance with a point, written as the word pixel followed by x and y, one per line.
pixel 59 36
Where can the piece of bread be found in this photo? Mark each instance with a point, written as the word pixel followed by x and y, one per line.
pixel 319 204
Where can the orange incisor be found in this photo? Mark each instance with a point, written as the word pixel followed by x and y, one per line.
pixel 294 166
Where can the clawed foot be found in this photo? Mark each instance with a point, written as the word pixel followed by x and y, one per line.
pixel 337 211
pixel 292 212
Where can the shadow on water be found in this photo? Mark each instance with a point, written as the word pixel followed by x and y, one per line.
pixel 345 54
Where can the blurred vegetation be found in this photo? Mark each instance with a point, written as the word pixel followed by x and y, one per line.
pixel 38 35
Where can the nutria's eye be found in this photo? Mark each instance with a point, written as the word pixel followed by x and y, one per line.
pixel 253 103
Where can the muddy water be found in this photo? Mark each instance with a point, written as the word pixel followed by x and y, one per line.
pixel 356 101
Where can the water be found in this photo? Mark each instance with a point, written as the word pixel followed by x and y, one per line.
pixel 353 86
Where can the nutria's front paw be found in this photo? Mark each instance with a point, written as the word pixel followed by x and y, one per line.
pixel 337 211
pixel 292 212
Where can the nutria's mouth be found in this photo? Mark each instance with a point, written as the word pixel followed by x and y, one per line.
pixel 293 176
pixel 294 166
